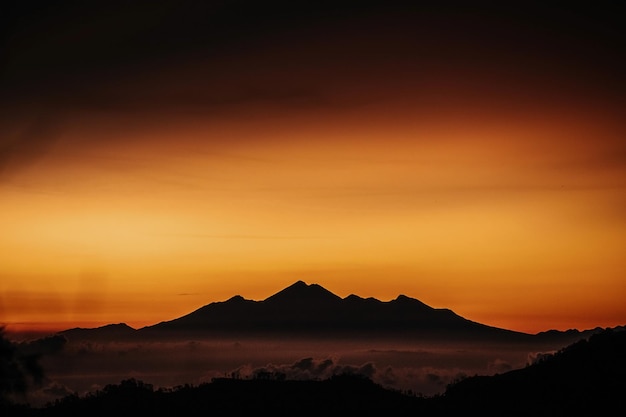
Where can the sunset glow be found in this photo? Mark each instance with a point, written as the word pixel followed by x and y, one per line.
pixel 488 187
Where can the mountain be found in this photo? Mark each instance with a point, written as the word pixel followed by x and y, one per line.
pixel 303 310
pixel 309 310
pixel 302 294
pixel 571 334
pixel 118 331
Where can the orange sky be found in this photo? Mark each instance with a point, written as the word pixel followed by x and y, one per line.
pixel 491 189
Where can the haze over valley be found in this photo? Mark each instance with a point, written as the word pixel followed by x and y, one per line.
pixel 303 332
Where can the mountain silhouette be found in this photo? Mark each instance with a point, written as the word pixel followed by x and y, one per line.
pixel 109 332
pixel 302 295
pixel 303 310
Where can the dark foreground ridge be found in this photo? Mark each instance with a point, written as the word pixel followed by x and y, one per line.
pixel 585 378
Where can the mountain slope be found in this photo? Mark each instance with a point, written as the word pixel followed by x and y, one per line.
pixel 302 310
pixel 580 379
pixel 301 293
pixel 118 331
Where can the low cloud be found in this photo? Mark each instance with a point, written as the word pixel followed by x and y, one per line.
pixel 498 366
pixel 422 381
pixel 84 365
pixel 45 346
pixel 48 391
pixel 535 357
pixel 304 369
pixel 25 142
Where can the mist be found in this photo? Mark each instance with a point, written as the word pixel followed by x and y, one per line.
pixel 423 369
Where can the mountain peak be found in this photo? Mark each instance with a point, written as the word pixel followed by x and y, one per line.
pixel 353 297
pixel 302 293
pixel 403 300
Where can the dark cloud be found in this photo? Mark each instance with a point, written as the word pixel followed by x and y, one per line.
pixel 324 365
pixel 304 364
pixel 388 377
pixel 208 59
pixel 498 366
pixel 294 52
pixel 536 357
pixel 44 346
pixel 308 368
pixel 56 390
pixel 24 141
pixel 48 391
pixel 434 378
pixel 426 381
pixel 20 364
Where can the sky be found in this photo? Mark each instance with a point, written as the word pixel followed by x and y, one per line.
pixel 159 156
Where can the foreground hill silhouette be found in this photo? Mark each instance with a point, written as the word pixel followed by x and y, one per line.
pixel 303 311
pixel 585 378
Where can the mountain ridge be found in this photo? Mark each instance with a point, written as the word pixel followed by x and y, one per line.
pixel 299 292
pixel 303 310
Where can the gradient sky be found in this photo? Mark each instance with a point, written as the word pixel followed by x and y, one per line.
pixel 159 156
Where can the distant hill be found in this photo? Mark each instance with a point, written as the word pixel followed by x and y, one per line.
pixel 343 394
pixel 118 331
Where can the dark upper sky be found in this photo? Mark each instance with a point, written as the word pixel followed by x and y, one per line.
pixel 85 53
